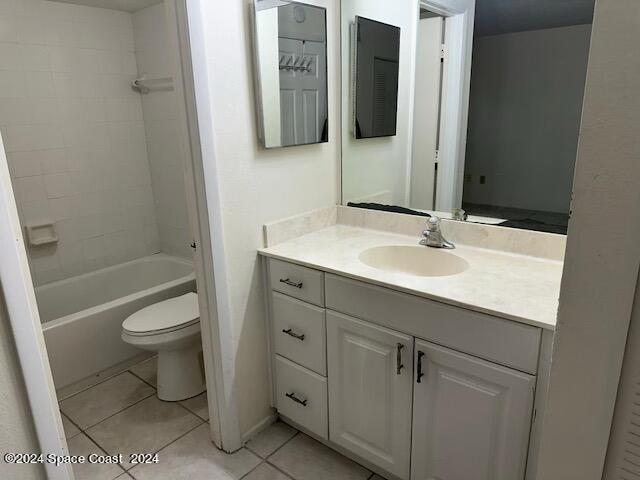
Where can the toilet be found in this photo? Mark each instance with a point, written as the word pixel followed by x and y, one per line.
pixel 171 328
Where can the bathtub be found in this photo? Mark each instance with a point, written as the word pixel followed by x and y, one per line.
pixel 82 316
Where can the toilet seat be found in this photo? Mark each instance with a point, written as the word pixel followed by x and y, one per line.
pixel 163 317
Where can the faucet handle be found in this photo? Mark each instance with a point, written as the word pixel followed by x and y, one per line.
pixel 433 223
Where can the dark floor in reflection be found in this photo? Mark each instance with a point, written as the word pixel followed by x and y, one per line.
pixel 552 222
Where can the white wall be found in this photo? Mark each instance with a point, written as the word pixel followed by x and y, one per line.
pixel 257 185
pixel 18 434
pixel 374 165
pixel 603 254
pixel 524 116
pixel 165 141
pixel 74 134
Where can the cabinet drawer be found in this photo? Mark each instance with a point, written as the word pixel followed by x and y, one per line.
pixel 299 332
pixel 502 341
pixel 299 282
pixel 301 396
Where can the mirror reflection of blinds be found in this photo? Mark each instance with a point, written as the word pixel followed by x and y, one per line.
pixel 385 94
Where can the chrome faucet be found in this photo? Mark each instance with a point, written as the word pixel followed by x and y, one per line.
pixel 433 235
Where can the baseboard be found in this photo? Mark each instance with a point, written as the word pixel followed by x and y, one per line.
pixel 101 376
pixel 260 426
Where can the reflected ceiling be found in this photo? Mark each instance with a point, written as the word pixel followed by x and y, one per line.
pixel 495 17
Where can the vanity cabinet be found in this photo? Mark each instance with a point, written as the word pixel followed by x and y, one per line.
pixel 471 418
pixel 412 388
pixel 370 372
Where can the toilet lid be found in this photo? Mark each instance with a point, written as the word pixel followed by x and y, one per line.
pixel 173 313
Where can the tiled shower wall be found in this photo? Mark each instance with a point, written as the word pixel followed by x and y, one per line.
pixel 74 134
pixel 166 141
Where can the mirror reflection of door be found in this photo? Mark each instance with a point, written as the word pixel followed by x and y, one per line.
pixel 426 111
pixel 302 113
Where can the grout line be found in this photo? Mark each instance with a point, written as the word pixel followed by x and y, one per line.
pixel 189 410
pixel 275 467
pixel 139 377
pixel 170 443
pixel 124 470
pixel 253 469
pixel 281 446
pixel 119 411
pixel 88 387
pixel 71 422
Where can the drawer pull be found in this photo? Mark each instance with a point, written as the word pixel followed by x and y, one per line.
pixel 419 373
pixel 291 283
pixel 293 397
pixel 399 364
pixel 289 332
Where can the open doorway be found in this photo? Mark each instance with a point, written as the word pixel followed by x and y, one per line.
pixel 426 115
pixel 103 155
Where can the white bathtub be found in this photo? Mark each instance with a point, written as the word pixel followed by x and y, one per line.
pixel 82 316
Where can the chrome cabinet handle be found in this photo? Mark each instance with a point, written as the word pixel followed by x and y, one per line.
pixel 291 283
pixel 293 397
pixel 289 332
pixel 419 369
pixel 399 365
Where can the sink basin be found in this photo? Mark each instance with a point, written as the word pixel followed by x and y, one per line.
pixel 414 260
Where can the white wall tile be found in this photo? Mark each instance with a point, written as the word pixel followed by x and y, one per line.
pixel 15 111
pixel 73 128
pixel 24 164
pixel 164 135
pixel 40 85
pixel 29 189
pixel 12 82
pixel 32 137
pixel 57 185
pixel 8 29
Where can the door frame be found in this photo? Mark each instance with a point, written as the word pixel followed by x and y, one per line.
pixel 19 294
pixel 454 108
pixel 203 196
pixel 20 299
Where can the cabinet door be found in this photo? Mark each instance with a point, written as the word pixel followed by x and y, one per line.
pixel 370 372
pixel 471 418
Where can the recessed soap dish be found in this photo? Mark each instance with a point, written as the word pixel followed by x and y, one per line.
pixel 41 234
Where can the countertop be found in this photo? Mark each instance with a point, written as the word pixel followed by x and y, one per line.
pixel 515 287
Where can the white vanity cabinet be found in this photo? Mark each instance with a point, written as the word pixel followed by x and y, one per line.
pixel 370 373
pixel 412 388
pixel 471 418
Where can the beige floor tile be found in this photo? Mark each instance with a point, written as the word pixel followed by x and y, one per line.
pixel 145 427
pixel 103 400
pixel 70 430
pixel 194 457
pixel 266 472
pixel 377 477
pixel 198 405
pixel 82 445
pixel 270 439
pixel 305 459
pixel 147 370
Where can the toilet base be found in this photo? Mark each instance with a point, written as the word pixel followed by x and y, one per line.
pixel 179 374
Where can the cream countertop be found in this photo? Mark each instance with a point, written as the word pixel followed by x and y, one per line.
pixel 508 285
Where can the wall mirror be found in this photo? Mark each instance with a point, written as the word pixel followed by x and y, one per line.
pixel 290 44
pixel 489 103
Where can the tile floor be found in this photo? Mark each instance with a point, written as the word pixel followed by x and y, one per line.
pixel 123 414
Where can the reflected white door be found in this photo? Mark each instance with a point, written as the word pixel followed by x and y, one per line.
pixel 302 106
pixel 426 112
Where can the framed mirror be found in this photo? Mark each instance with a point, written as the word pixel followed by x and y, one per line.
pixel 489 101
pixel 290 44
pixel 377 52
